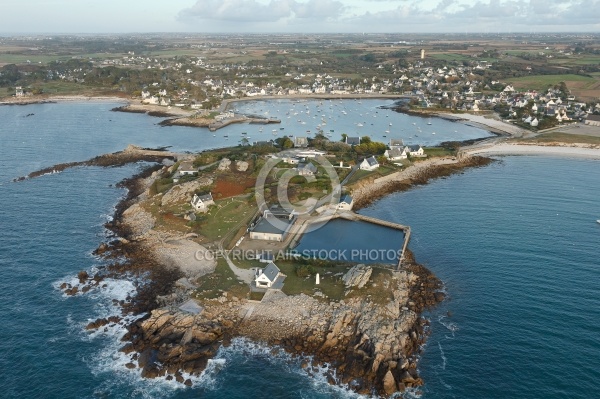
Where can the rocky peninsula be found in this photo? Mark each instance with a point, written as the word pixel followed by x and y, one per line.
pixel 370 338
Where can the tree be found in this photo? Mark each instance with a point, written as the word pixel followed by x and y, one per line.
pixel 365 140
pixel 344 136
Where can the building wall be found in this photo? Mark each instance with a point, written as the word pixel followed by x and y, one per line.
pixel 265 236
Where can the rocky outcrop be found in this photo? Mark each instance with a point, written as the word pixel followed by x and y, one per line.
pixel 224 164
pixel 371 344
pixel 183 193
pixel 241 166
pixel 358 276
pixel 138 220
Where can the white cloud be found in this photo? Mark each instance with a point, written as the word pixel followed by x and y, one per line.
pixel 255 11
pixel 392 15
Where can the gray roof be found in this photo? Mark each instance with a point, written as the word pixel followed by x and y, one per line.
pixel 352 140
pixel 395 153
pixel 414 148
pixel 396 143
pixel 206 197
pixel 346 198
pixel 372 161
pixel 264 226
pixel 592 117
pixel 271 271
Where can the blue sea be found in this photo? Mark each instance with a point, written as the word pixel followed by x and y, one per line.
pixel 516 244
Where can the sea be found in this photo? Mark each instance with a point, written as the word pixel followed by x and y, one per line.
pixel 516 244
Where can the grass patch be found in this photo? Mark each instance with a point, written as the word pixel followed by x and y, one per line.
pixel 541 82
pixel 449 57
pixel 221 280
pixel 331 284
pixel 564 138
pixel 223 217
pixel 359 175
pixel 439 152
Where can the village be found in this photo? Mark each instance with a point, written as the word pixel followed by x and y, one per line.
pixel 535 94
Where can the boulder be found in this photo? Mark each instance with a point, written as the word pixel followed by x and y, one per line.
pixel 241 166
pixel 358 276
pixel 389 383
pixel 225 164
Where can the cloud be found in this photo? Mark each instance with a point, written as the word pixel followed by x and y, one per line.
pixel 392 15
pixel 253 11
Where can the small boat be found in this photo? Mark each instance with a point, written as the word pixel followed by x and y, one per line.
pixel 429 123
pixel 244 133
pixel 598 221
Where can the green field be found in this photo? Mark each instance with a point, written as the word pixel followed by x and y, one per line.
pixel 585 60
pixel 449 57
pixel 542 82
pixel 564 138
pixel 224 216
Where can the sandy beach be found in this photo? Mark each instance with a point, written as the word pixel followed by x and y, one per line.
pixel 578 151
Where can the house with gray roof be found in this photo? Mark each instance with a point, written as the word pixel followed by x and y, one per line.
pixel 352 140
pixel 201 202
pixel 346 202
pixel 396 154
pixel 369 163
pixel 265 278
pixel 306 169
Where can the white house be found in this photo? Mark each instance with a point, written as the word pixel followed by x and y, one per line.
pixel 415 151
pixel 274 225
pixel 201 202
pixel 396 154
pixel 306 169
pixel 187 168
pixel 264 278
pixel 19 91
pixel 300 142
pixel 346 202
pixel 369 163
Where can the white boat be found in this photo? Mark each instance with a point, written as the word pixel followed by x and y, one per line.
pixel 598 220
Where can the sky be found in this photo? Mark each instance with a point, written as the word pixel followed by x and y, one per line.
pixel 298 16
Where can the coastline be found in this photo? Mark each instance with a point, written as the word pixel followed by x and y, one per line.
pixel 554 149
pixel 30 100
pixel 371 345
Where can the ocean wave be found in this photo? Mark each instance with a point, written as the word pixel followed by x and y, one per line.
pixel 450 326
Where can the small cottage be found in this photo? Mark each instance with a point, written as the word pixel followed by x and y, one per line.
pixel 369 163
pixel 265 278
pixel 201 202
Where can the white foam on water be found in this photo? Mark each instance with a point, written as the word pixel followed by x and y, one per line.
pixel 317 375
pixel 451 326
pixel 443 356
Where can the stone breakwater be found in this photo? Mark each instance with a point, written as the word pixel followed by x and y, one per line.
pixel 131 154
pixel 367 191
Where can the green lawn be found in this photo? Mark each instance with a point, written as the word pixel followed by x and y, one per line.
pixel 331 284
pixel 449 57
pixel 359 175
pixel 438 152
pixel 221 280
pixel 541 82
pixel 223 216
pixel 564 138
pixel 579 60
